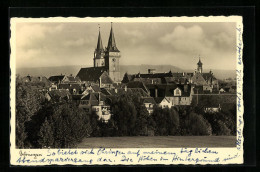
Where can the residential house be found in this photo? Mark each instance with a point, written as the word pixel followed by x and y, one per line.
pixel 137 84
pixel 163 102
pixel 177 94
pixel 55 81
pixel 212 108
pixel 96 102
pixel 58 95
pixel 70 79
pixel 182 95
pixel 40 83
pixel 149 103
pixel 73 88
pixel 91 89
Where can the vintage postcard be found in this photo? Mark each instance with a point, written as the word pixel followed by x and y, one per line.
pixel 126 91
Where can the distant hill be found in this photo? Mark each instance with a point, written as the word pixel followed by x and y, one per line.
pixel 130 69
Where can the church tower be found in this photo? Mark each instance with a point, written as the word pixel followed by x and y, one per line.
pixel 199 66
pixel 99 53
pixel 112 56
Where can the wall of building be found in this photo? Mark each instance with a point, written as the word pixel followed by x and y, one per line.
pixel 103 112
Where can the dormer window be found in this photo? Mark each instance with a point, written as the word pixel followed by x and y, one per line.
pixel 177 92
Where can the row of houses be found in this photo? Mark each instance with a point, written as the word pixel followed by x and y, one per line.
pixel 92 91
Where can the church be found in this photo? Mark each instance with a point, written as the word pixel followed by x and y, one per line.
pixel 106 69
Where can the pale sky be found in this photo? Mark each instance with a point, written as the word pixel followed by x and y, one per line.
pixel 177 44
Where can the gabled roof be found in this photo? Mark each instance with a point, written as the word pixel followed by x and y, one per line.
pixel 105 79
pixel 99 96
pixel 121 91
pixel 91 74
pixel 95 88
pixel 149 80
pixel 137 84
pixel 169 89
pixel 153 75
pixel 179 74
pixel 198 89
pixel 208 76
pixel 76 96
pixel 56 78
pixel 160 99
pixel 148 100
pixel 183 92
pixel 71 79
pixel 70 86
pixel 92 98
pixel 140 91
pixel 35 79
pixel 59 93
pixel 105 91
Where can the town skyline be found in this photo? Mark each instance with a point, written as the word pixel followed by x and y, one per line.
pixel 62 44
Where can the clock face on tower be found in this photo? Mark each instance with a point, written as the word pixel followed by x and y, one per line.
pixel 113 60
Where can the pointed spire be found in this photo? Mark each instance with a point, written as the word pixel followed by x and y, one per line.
pixel 111 46
pixel 99 43
pixel 199 63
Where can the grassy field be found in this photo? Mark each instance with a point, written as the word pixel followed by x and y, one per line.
pixel 158 142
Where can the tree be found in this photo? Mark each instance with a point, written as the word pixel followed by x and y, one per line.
pixel 28 103
pixel 123 115
pixel 21 135
pixel 173 121
pixel 196 125
pixel 95 124
pixel 71 125
pixel 141 125
pixel 225 118
pixel 166 120
pixel 222 129
pixel 46 135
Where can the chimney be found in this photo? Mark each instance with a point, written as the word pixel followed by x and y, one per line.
pixel 152 81
pixel 156 92
pixel 125 88
pixel 115 90
pixel 183 73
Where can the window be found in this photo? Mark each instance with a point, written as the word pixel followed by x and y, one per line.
pixel 97 109
pixel 177 91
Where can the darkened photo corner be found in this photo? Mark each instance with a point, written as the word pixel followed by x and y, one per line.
pixel 125 84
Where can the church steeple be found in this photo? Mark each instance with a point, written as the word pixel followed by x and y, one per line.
pixel 111 46
pixel 99 52
pixel 199 66
pixel 99 43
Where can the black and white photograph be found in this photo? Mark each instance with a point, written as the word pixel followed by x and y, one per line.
pixel 119 84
